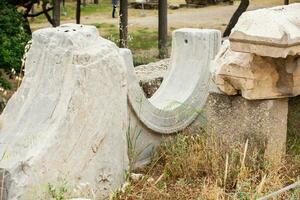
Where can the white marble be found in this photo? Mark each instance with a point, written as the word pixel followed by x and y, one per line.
pixel 272 32
pixel 67 119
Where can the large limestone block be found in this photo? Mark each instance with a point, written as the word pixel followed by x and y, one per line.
pixel 68 120
pixel 255 77
pixel 262 122
pixel 273 32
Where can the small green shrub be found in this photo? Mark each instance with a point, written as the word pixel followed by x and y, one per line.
pixel 5 84
pixel 13 38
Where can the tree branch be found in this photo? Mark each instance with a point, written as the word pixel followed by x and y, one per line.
pixel 41 12
pixel 234 19
pixel 46 13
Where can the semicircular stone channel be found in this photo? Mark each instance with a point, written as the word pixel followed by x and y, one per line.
pixel 184 91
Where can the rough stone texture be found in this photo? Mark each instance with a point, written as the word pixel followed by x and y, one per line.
pixel 263 122
pixel 150 76
pixel 256 77
pixel 68 119
pixel 272 32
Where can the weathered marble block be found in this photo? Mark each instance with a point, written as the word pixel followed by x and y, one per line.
pixel 68 120
pixel 173 107
pixel 272 32
pixel 256 77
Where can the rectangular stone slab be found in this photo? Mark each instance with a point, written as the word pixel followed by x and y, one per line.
pixel 273 32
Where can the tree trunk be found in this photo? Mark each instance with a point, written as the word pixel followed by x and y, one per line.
pixel 96 1
pixel 123 23
pixel 26 26
pixel 32 12
pixel 234 19
pixel 56 13
pixel 286 2
pixel 44 7
pixel 78 4
pixel 162 28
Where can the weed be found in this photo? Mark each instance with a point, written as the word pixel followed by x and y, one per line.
pixel 205 166
pixel 133 152
pixel 58 192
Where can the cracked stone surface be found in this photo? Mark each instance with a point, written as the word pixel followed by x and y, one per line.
pixel 256 77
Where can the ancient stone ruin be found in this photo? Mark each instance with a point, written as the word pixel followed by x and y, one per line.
pixel 80 103
pixel 70 117
pixel 67 115
pixel 261 59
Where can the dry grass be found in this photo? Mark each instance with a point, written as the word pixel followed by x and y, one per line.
pixel 203 167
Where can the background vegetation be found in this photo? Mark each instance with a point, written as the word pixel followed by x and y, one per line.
pixel 13 40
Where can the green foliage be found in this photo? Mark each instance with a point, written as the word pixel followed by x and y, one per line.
pixel 142 42
pixel 5 84
pixel 59 191
pixel 12 37
pixel 132 137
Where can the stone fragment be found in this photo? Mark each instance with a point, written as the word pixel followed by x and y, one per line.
pixel 256 77
pixel 272 32
pixel 136 177
pixel 184 89
pixel 174 6
pixel 151 75
pixel 68 120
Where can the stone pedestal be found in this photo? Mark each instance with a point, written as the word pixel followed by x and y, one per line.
pixel 262 122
